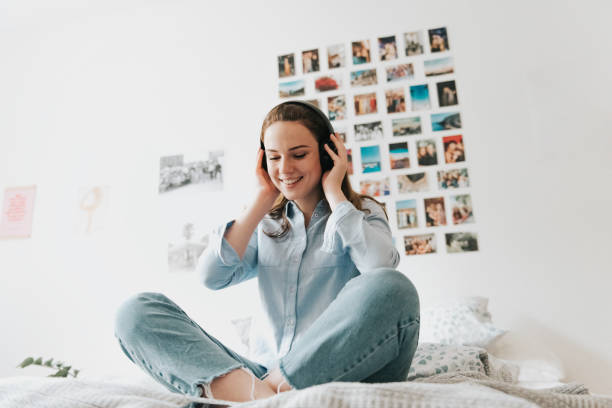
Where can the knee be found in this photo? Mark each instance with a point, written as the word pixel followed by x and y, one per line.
pixel 134 313
pixel 391 288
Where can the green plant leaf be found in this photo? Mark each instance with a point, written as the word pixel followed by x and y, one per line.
pixel 38 361
pixel 26 362
pixel 76 372
pixel 48 363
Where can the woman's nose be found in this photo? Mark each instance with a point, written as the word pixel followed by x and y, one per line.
pixel 285 166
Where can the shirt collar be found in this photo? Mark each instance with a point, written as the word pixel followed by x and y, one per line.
pixel 322 208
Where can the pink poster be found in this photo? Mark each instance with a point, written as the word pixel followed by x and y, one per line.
pixel 17 210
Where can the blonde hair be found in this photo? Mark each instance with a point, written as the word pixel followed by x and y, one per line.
pixel 312 121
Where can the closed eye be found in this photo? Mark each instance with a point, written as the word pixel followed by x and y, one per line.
pixel 297 156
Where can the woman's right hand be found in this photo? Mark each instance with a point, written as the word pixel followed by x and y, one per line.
pixel 266 190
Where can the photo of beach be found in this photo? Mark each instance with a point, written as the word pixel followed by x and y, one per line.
pixel 406 126
pixel 419 95
pixel 291 89
pixel 440 66
pixel 445 121
pixel 370 159
pixel 399 155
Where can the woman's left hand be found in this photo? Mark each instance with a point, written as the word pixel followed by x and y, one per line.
pixel 332 179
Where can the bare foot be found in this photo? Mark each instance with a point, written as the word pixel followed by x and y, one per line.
pixel 236 386
pixel 275 378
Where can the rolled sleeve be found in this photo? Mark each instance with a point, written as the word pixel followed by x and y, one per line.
pixel 366 236
pixel 220 266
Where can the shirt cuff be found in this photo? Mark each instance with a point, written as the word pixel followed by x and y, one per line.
pixel 227 255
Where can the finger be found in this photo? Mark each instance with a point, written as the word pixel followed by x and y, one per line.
pixel 329 150
pixel 340 146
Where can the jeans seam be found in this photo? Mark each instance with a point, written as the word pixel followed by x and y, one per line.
pixel 386 340
pixel 409 324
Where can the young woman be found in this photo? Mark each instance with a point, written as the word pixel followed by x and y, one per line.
pixel 337 310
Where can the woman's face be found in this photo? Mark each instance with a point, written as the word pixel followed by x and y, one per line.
pixel 292 155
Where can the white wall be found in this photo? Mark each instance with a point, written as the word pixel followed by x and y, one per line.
pixel 94 92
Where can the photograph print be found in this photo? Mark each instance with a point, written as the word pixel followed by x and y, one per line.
pixel 310 61
pixel 399 156
pixel 412 183
pixel 419 95
pixel 461 209
pixel 336 56
pixel 364 77
pixel 291 89
pixel 439 66
pixel 435 212
pixel 195 174
pixel 413 42
pixel 336 106
pixel 375 187
pixel 447 93
pixel 370 159
pixel 396 100
pixel 438 40
pixel 326 83
pixel 453 149
pixel 420 244
pixel 406 214
pixel 361 52
pixel 445 121
pixel 286 65
pixel 400 72
pixel 457 242
pixel 426 152
pixel 406 126
pixel 387 48
pixel 455 178
pixel 365 104
pixel 368 131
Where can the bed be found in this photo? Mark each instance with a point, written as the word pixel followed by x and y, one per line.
pixel 451 368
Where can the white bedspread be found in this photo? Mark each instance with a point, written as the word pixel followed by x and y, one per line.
pixel 43 392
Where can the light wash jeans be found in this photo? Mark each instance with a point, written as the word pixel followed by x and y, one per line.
pixel 369 333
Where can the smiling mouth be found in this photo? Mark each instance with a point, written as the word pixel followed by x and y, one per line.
pixel 290 182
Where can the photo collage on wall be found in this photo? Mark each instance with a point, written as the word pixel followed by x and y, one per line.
pixel 394 102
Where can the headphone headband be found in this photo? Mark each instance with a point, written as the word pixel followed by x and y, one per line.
pixel 319 112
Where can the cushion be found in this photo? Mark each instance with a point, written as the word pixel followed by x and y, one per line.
pixel 464 322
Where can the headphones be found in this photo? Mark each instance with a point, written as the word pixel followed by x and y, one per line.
pixel 326 161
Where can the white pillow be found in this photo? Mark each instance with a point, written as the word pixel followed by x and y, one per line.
pixel 465 322
pixel 432 358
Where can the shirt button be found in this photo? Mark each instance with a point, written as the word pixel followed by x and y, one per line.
pixel 290 322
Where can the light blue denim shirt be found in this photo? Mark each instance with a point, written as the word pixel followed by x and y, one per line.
pixel 300 274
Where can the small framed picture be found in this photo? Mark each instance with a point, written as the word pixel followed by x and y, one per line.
pixel 435 212
pixel 375 187
pixel 291 89
pixel 420 244
pixel 406 126
pixel 361 52
pixel 286 65
pixel 336 56
pixel 413 42
pixel 426 152
pixel 387 48
pixel 457 242
pixel 438 40
pixel 310 61
pixel 451 179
